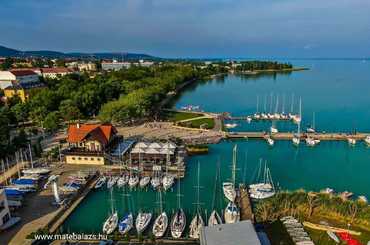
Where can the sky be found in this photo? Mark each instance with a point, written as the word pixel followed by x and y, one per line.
pixel 190 28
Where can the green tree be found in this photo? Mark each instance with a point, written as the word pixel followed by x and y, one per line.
pixel 51 121
pixel 69 111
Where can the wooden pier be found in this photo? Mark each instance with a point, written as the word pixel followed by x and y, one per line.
pixel 289 136
pixel 245 204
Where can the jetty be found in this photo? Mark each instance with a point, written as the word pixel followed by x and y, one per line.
pixel 245 204
pixel 289 136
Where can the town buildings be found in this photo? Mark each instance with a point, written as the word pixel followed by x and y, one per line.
pixel 55 72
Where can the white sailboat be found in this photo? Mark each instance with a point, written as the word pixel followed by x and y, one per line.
pixel 142 221
pixel 197 222
pixel 111 182
pixel 296 118
pixel 122 181
pixel 161 222
pixel 297 138
pixel 133 181
pixel 126 223
pixel 273 129
pixel 214 218
pixel 156 180
pixel 101 181
pixel 112 221
pixel 351 141
pixel 367 140
pixel 144 181
pixel 311 128
pixel 232 213
pixel 229 187
pixel 264 189
pixel 257 115
pixel 311 141
pixel 178 221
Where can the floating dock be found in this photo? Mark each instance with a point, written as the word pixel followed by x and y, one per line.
pixel 245 204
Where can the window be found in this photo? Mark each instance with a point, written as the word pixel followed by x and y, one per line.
pixel 86 159
pixel 92 159
pixel 73 158
pixel 79 158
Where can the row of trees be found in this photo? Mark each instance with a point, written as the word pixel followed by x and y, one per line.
pixel 262 65
pixel 306 205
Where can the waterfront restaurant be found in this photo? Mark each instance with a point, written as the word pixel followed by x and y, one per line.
pixel 154 152
pixel 90 143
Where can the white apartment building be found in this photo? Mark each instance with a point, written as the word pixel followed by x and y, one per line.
pixel 21 76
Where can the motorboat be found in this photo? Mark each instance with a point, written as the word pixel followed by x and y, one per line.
pixel 101 181
pixel 270 141
pixel 195 226
pixel 214 219
pixel 142 221
pixel 126 223
pixel 351 141
pixel 110 224
pixel 229 191
pixel 144 181
pixel 36 171
pixel 178 223
pixel 232 213
pixel 160 225
pixel 168 181
pixel 231 125
pixel 273 130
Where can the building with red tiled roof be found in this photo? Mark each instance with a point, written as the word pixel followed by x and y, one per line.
pixel 89 142
pixel 18 75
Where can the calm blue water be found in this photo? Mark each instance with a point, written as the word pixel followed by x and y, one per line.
pixel 337 91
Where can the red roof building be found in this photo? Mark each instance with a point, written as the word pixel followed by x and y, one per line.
pixel 103 133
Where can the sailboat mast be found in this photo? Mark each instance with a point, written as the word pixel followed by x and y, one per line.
pixel 178 194
pixel 265 105
pixel 277 103
pixel 271 102
pixel 313 120
pixel 292 104
pixel 198 180
pixel 300 116
pixel 234 164
pixel 283 105
pixel 257 103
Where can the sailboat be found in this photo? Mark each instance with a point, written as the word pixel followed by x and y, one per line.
pixel 229 187
pixel 112 221
pixel 351 141
pixel 276 114
pixel 256 115
pixel 168 181
pixel 111 182
pixel 122 181
pixel 214 218
pixel 311 128
pixel 273 129
pixel 232 213
pixel 142 221
pixel 297 138
pixel 367 140
pixel 144 181
pixel 156 180
pixel 101 181
pixel 161 222
pixel 134 179
pixel 270 141
pixel 264 189
pixel 197 222
pixel 178 221
pixel 311 141
pixel 296 118
pixel 126 223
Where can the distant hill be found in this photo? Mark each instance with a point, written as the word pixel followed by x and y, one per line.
pixel 8 52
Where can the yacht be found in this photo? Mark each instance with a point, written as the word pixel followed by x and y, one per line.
pixel 195 226
pixel 36 171
pixel 311 129
pixel 270 141
pixel 296 140
pixel 142 221
pixel 122 181
pixel 133 181
pixel 232 213
pixel 178 223
pixel 126 223
pixel 367 140
pixel 312 142
pixel 168 181
pixel 249 119
pixel 214 219
pixel 155 182
pixel 265 188
pixel 110 224
pixel 264 116
pixel 296 119
pixel 111 182
pixel 273 130
pixel 144 181
pixel 101 181
pixel 351 141
pixel 229 191
pixel 160 225
pixel 231 125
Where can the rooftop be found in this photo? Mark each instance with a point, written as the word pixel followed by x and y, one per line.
pixel 240 233
pixel 80 132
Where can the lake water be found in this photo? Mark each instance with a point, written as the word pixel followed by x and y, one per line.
pixel 336 90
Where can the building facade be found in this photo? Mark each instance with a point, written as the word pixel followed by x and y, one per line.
pixel 89 143
pixel 23 76
pixel 55 72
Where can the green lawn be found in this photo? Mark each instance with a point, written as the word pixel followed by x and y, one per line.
pixel 179 116
pixel 206 123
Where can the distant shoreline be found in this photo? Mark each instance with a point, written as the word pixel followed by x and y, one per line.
pixel 256 72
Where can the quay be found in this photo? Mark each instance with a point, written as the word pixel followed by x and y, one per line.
pixel 289 136
pixel 65 211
